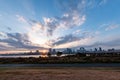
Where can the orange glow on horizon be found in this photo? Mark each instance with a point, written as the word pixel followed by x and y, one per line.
pixel 44 53
pixel 22 51
pixel 10 52
pixel 44 56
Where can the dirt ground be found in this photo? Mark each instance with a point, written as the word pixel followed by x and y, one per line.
pixel 59 74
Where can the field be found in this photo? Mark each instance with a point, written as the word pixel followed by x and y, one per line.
pixel 64 73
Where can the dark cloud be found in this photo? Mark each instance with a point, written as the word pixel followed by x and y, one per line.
pixel 18 40
pixel 67 39
pixel 115 43
pixel 2 47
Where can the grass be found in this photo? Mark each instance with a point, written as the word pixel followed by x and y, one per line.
pixel 60 73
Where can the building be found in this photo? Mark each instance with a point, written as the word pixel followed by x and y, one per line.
pixel 53 51
pixel 81 50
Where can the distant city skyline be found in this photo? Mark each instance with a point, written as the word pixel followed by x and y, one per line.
pixel 42 24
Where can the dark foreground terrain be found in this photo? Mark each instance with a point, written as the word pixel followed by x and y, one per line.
pixel 60 73
pixel 61 60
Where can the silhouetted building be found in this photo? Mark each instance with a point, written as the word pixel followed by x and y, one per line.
pixel 69 51
pixel 100 49
pixel 95 49
pixel 50 50
pixel 53 51
pixel 81 50
pixel 111 49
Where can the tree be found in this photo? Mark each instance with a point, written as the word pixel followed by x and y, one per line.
pixel 59 53
pixel 49 54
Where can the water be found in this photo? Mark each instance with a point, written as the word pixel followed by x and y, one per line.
pixel 17 56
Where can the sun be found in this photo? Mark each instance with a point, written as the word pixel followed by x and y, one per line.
pixel 44 54
pixel 44 51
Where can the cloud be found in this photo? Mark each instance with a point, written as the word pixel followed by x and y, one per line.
pixel 102 2
pixel 76 5
pixel 16 41
pixel 72 17
pixel 77 32
pixel 50 24
pixel 112 43
pixel 107 44
pixel 66 21
pixel 75 40
pixel 94 3
pixel 3 35
pixel 4 46
pixel 51 28
pixel 66 39
pixel 111 27
pixel 76 43
pixel 38 34
pixel 55 31
pixel 21 18
pixel 88 40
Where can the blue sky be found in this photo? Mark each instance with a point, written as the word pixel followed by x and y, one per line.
pixel 42 24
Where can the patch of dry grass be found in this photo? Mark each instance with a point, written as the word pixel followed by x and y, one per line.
pixel 60 74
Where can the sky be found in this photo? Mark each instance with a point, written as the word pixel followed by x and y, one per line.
pixel 43 24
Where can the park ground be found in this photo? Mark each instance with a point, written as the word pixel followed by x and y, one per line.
pixel 60 73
